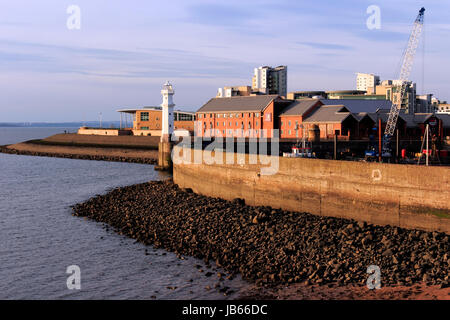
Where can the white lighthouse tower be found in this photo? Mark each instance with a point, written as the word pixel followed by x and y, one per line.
pixel 167 112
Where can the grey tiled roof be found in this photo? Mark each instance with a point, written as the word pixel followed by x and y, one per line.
pixel 299 107
pixel 359 105
pixel 335 114
pixel 247 103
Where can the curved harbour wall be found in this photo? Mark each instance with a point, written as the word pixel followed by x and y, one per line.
pixel 385 194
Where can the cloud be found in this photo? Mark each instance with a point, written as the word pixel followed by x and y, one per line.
pixel 220 15
pixel 11 57
pixel 113 63
pixel 383 35
pixel 326 46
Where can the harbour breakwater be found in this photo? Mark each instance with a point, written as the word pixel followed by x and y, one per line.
pixel 270 246
pixel 407 196
pixel 85 152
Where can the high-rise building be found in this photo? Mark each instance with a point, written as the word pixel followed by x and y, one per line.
pixel 364 81
pixel 268 80
pixel 391 88
pixel 423 103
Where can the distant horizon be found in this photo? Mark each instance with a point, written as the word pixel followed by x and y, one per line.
pixel 30 124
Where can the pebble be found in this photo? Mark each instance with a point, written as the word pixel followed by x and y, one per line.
pixel 268 246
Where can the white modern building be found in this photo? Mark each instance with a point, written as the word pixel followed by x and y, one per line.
pixel 268 80
pixel 364 81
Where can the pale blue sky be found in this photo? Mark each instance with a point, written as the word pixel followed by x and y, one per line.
pixel 126 50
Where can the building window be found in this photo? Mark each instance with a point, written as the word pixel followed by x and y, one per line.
pixel 144 128
pixel 184 117
pixel 281 123
pixel 144 116
pixel 289 132
pixel 217 123
pixel 200 116
pixel 231 115
pixel 224 115
pixel 256 123
pixel 289 123
pixel 257 115
pixel 281 131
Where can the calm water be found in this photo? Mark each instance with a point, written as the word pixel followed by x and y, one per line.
pixel 14 135
pixel 39 238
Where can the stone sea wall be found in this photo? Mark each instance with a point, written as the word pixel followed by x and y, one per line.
pixel 407 196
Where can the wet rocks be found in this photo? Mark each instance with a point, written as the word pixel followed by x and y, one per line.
pixel 270 246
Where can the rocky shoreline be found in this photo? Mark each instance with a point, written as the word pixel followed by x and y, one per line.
pixel 271 247
pixel 5 149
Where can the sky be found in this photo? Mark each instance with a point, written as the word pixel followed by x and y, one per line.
pixel 124 51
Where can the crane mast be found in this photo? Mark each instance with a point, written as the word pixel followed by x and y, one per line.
pixel 405 72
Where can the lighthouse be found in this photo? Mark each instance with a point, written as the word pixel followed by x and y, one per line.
pixel 167 111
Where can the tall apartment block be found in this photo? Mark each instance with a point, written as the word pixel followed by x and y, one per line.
pixel 389 88
pixel 268 80
pixel 364 81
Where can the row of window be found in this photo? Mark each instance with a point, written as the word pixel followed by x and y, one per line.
pixel 145 116
pixel 230 124
pixel 228 115
pixel 289 123
pixel 230 132
pixel 289 132
pixel 184 117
